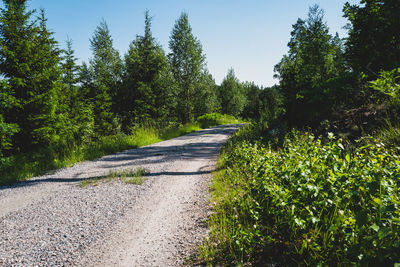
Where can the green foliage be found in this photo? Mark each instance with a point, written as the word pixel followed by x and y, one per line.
pixel 76 109
pixel 30 65
pixel 7 130
pixel 314 60
pixel 206 97
pixel 148 88
pixel 374 37
pixel 187 63
pixel 389 134
pixel 232 95
pixel 144 136
pixel 213 119
pixel 103 79
pixel 308 204
pixel 252 106
pixel 270 106
pixel 178 131
pixel 389 84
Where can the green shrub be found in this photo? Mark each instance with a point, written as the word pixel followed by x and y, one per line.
pixel 309 203
pixel 388 84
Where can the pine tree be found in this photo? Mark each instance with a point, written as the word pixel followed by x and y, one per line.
pixel 105 69
pixel 29 61
pixel 187 63
pixel 146 95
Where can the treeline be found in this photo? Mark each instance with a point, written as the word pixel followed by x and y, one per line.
pixel 47 100
pixel 324 79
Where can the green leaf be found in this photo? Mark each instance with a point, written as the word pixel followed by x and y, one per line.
pixel 378 201
pixel 348 157
pixel 375 227
pixel 384 232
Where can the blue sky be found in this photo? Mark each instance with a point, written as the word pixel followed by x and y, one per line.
pixel 250 36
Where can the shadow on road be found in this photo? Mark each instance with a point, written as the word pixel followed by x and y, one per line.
pixel 158 153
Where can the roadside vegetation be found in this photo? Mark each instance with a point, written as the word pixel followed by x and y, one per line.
pixel 314 180
pixel 311 202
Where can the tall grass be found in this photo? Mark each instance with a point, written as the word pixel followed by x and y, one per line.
pixel 389 134
pixel 182 130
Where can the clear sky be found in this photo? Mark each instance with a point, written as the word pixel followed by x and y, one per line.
pixel 250 36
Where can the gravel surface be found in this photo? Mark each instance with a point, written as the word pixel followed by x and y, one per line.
pixel 52 221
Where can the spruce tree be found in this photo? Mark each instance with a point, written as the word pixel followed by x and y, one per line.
pixel 29 61
pixel 79 114
pixel 7 130
pixel 105 69
pixel 146 94
pixel 187 63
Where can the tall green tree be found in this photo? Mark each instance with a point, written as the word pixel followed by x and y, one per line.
pixel 78 112
pixel 29 62
pixel 106 71
pixel 187 63
pixel 7 130
pixel 206 96
pixel 147 86
pixel 373 43
pixel 252 106
pixel 311 68
pixel 232 94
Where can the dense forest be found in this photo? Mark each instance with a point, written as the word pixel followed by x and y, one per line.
pixel 314 180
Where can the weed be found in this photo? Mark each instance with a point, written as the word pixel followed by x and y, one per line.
pixel 129 176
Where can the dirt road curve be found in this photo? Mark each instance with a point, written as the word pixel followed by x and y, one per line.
pixel 52 221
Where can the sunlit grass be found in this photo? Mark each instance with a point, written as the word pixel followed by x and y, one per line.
pixel 182 130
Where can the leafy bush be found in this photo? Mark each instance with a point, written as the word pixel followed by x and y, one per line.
pixel 310 203
pixel 388 84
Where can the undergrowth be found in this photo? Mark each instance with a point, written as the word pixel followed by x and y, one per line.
pixel 308 203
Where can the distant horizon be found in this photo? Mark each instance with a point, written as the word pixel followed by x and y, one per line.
pixel 228 35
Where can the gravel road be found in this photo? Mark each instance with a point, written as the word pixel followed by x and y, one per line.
pixel 52 221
